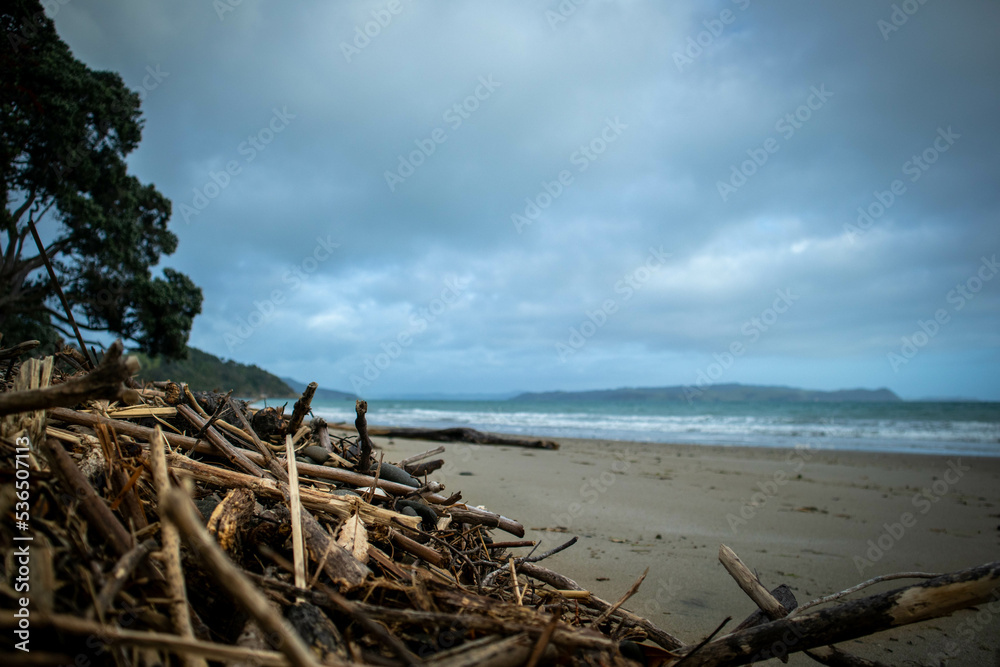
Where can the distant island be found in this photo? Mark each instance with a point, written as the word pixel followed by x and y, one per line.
pixel 717 393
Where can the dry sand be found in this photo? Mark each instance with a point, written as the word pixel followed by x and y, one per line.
pixel 805 517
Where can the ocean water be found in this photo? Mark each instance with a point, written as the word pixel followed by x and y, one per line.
pixel 968 429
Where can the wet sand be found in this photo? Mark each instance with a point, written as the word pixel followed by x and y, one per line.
pixel 815 520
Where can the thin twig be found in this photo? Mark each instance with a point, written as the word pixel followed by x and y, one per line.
pixel 864 584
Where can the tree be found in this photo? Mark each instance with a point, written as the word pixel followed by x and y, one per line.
pixel 65 131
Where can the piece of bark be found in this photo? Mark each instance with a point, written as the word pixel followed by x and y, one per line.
pixel 229 519
pixel 469 435
pixel 179 510
pixel 911 604
pixel 107 381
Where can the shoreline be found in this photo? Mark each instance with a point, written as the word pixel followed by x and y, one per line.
pixel 808 517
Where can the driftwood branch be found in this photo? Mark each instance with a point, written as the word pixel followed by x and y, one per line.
pixel 469 435
pixel 937 597
pixel 106 381
pixel 365 457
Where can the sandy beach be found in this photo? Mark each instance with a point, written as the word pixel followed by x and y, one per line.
pixel 819 521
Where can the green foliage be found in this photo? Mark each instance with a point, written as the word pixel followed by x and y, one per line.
pixel 65 131
pixel 205 372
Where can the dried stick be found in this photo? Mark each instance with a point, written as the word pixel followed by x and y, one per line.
pixel 342 604
pixel 120 573
pixel 864 584
pixel 911 604
pixel 106 381
pixel 235 456
pixel 629 593
pixel 171 545
pixel 301 409
pixel 543 642
pixel 460 513
pixel 513 582
pixel 179 510
pixel 420 457
pixel 558 581
pixel 55 283
pixel 772 608
pixel 365 457
pixel 295 507
pixel 750 584
pixel 110 634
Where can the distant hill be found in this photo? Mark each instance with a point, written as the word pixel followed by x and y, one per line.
pixel 717 393
pixel 206 372
pixel 322 394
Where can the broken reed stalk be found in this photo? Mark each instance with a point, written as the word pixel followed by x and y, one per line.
pixel 171 552
pixel 179 510
pixel 295 507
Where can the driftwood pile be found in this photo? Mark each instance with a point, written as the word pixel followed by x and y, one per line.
pixel 153 526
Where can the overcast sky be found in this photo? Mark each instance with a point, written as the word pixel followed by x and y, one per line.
pixel 401 197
